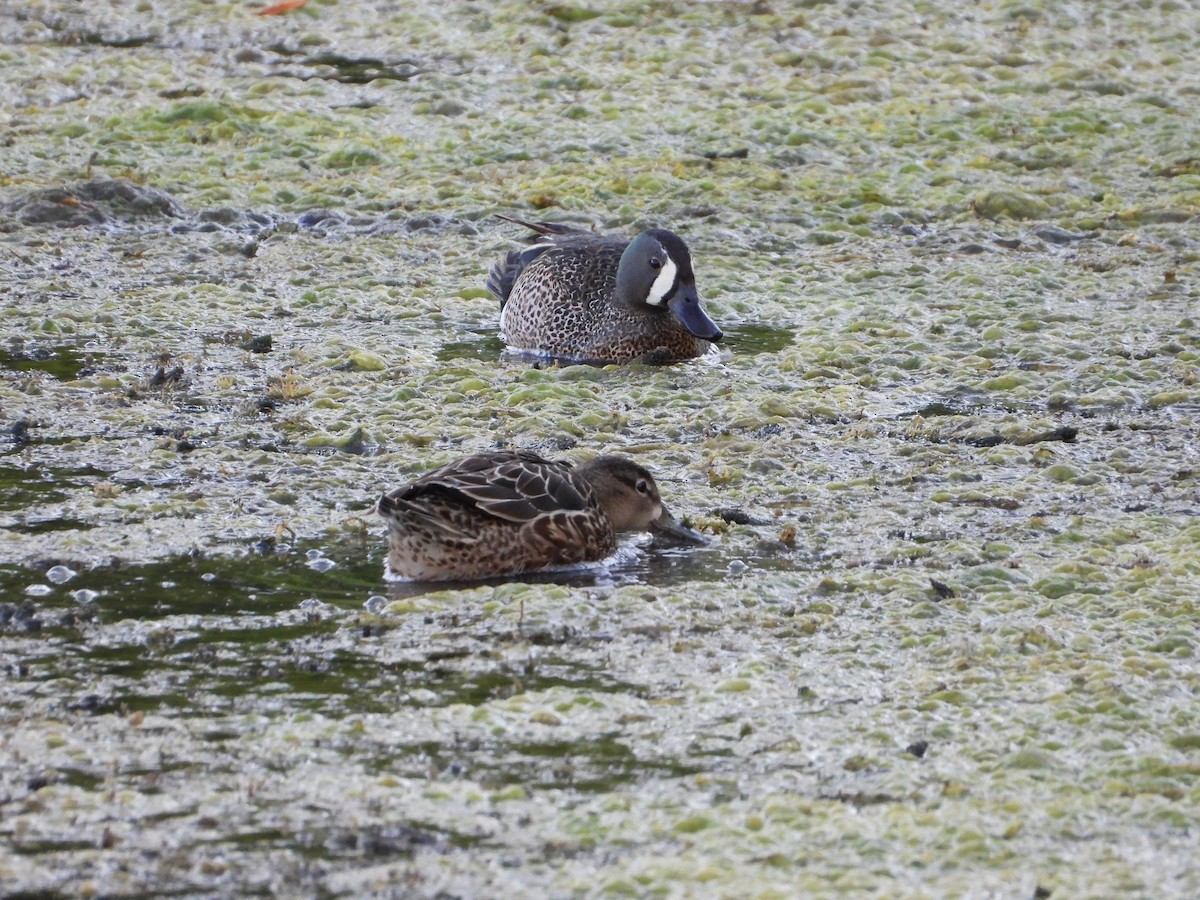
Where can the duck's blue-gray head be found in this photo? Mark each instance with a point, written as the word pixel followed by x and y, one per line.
pixel 656 270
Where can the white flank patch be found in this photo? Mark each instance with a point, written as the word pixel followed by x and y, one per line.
pixel 663 283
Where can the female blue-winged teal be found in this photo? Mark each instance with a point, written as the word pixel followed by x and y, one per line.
pixel 577 296
pixel 511 511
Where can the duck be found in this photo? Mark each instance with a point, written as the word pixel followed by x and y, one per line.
pixel 578 296
pixel 508 512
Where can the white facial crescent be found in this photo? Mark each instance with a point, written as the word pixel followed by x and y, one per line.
pixel 663 283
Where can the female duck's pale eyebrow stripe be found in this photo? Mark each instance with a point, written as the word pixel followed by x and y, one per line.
pixel 664 283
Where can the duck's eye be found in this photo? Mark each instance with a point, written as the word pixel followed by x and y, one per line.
pixel 655 262
pixel 643 486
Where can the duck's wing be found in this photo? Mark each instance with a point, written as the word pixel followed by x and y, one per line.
pixel 545 228
pixel 514 486
pixel 558 511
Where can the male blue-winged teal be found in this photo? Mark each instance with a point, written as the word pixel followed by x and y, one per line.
pixel 511 511
pixel 578 296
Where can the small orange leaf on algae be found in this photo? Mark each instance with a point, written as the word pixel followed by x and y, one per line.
pixel 277 9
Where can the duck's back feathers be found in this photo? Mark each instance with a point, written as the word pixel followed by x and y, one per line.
pixel 548 236
pixel 508 268
pixel 516 486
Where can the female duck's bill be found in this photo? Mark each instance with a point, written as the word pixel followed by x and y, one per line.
pixel 509 512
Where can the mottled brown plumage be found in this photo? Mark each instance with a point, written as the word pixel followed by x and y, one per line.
pixel 509 512
pixel 578 296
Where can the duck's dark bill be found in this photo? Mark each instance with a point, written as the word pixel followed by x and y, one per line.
pixel 667 525
pixel 687 309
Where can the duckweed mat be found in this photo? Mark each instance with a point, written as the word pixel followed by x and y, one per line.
pixel 944 640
